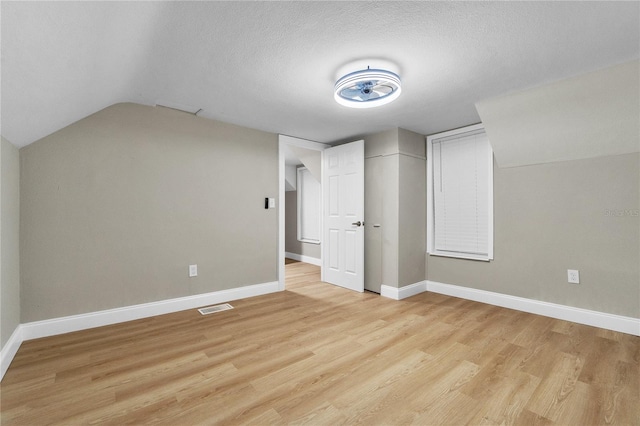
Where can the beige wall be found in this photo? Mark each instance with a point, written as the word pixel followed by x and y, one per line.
pixel 380 144
pixel 390 219
pixel 397 156
pixel 566 154
pixel 412 212
pixel 9 240
pixel 116 206
pixel 373 221
pixel 553 217
pixel 291 244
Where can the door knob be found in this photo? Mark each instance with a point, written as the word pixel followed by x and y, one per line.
pixel 358 223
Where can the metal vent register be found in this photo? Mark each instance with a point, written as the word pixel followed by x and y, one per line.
pixel 213 309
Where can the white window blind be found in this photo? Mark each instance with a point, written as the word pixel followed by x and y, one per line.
pixel 309 200
pixel 461 195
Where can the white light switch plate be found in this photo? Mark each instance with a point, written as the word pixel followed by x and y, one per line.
pixel 193 270
pixel 272 203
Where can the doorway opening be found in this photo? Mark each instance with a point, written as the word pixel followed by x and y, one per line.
pixel 340 171
pixel 294 153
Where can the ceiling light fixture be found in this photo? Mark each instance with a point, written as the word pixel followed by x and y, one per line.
pixel 367 88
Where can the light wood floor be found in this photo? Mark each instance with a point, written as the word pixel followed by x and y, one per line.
pixel 321 355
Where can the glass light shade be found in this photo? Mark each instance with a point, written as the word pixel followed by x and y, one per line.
pixel 367 88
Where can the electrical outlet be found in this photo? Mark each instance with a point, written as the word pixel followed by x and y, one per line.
pixel 193 271
pixel 573 276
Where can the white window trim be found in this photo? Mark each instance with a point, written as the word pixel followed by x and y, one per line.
pixel 430 206
pixel 299 189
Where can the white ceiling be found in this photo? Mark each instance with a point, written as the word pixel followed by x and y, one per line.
pixel 272 65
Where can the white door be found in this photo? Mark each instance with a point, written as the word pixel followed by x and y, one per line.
pixel 343 224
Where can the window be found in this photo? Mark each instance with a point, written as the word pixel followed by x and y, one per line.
pixel 460 194
pixel 309 199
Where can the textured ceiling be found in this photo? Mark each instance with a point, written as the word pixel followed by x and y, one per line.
pixel 272 65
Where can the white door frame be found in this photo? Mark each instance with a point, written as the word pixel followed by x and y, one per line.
pixel 284 141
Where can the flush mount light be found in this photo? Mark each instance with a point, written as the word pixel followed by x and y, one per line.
pixel 367 88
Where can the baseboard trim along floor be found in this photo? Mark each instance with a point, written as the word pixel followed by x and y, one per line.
pixel 604 320
pixel 303 258
pixel 55 326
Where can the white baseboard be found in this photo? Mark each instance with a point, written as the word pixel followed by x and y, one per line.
pixel 403 292
pixel 37 329
pixel 303 258
pixel 568 313
pixel 10 349
pixel 52 327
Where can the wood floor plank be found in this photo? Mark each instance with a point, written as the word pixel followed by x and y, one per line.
pixel 503 398
pixel 318 354
pixel 556 391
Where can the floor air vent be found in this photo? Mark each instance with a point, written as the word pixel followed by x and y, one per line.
pixel 213 309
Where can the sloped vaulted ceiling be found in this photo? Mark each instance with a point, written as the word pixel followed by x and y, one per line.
pixel 272 65
pixel 591 115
